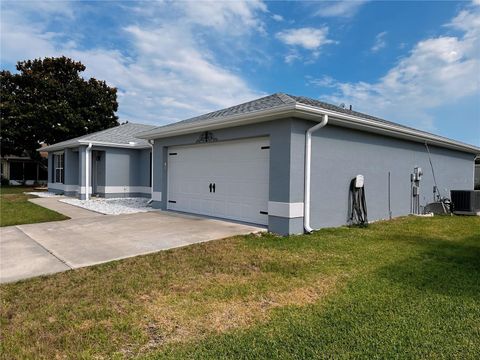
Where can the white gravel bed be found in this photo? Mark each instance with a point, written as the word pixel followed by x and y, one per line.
pixel 42 194
pixel 114 206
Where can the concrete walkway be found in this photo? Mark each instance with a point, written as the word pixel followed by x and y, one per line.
pixel 73 212
pixel 90 238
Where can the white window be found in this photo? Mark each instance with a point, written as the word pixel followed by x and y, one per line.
pixel 58 166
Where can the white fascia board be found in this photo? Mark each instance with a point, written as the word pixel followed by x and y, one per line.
pixel 95 143
pixel 314 114
pixel 116 145
pixel 53 148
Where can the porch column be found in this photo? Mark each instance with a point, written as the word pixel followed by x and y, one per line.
pixel 82 176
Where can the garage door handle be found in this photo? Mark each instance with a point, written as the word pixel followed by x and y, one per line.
pixel 210 187
pixel 214 187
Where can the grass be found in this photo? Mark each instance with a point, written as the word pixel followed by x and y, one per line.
pixel 407 288
pixel 15 209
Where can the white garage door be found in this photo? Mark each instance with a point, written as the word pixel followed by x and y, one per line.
pixel 225 179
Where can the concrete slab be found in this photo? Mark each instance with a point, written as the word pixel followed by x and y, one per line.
pixel 21 257
pixel 93 240
pixel 73 212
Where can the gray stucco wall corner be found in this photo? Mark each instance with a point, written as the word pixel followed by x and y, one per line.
pixel 285 226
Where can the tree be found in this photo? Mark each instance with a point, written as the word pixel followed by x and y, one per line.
pixel 48 101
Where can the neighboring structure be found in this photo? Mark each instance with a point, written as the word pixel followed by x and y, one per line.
pixel 110 163
pixel 23 170
pixel 248 163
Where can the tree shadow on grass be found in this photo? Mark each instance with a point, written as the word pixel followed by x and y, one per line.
pixel 445 267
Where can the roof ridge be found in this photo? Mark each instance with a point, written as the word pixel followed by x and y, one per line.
pixel 287 99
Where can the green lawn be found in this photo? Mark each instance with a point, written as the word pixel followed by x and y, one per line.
pixel 402 289
pixel 15 209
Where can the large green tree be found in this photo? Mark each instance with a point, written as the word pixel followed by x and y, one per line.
pixel 48 101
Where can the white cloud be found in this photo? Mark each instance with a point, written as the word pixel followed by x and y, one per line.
pixel 380 42
pixel 169 74
pixel 325 81
pixel 311 39
pixel 308 38
pixel 227 16
pixel 279 18
pixel 437 71
pixel 339 8
pixel 292 57
pixel 20 41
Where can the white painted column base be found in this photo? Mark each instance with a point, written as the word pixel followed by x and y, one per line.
pixel 286 210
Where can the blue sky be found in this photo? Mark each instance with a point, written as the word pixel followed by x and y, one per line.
pixel 417 63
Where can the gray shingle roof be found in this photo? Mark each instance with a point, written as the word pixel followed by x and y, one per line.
pixel 273 101
pixel 267 102
pixel 123 134
pixel 281 100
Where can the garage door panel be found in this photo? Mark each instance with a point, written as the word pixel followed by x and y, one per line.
pixel 239 170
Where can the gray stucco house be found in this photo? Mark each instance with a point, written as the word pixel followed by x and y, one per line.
pixel 282 161
pixel 119 164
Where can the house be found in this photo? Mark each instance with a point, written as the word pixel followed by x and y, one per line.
pixel 23 169
pixel 287 162
pixel 119 164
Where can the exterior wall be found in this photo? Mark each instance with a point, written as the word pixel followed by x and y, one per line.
pixel 99 169
pixel 283 168
pixel 70 186
pixel 127 173
pixel 120 172
pixel 339 154
pixel 71 172
pixel 477 175
pixel 52 186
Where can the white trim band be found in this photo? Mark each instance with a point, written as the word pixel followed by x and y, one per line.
pixel 156 196
pixel 62 187
pixel 284 209
pixel 123 189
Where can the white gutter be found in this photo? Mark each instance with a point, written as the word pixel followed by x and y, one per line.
pixel 308 163
pixel 75 144
pixel 151 142
pixel 88 152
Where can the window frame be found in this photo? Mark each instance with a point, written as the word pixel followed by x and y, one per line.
pixel 59 168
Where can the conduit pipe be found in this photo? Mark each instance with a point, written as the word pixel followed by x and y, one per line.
pixel 88 153
pixel 308 163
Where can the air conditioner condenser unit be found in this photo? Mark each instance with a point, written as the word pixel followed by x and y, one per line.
pixel 465 202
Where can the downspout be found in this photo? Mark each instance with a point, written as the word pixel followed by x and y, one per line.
pixel 151 142
pixel 87 170
pixel 308 161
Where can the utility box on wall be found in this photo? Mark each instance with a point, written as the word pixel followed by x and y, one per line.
pixel 465 202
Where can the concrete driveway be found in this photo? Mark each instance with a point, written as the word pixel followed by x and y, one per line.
pixel 38 249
